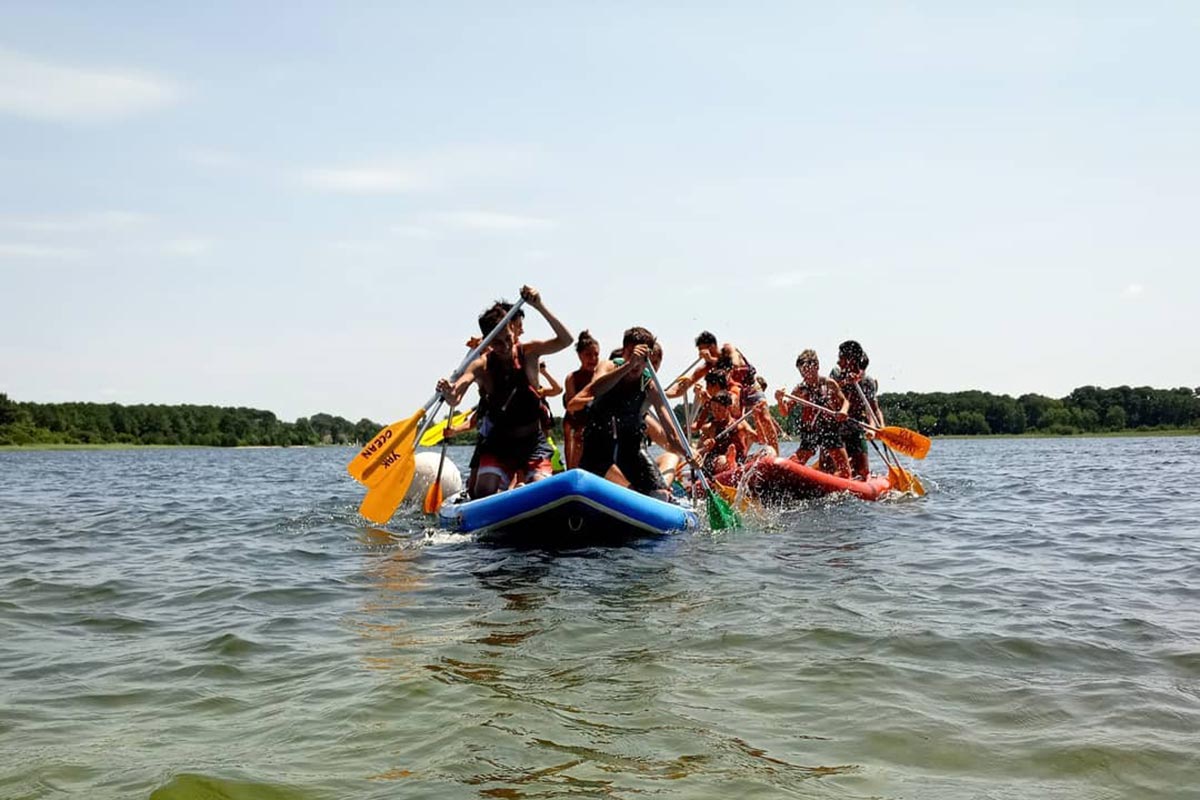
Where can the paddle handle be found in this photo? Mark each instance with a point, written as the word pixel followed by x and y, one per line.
pixel 867 406
pixel 687 446
pixel 822 408
pixel 735 423
pixel 437 398
pixel 686 372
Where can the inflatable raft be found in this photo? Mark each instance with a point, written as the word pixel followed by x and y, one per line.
pixel 782 480
pixel 572 508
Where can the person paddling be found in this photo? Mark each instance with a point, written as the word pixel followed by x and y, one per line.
pixel 819 432
pixel 512 444
pixel 725 440
pixel 862 392
pixel 622 391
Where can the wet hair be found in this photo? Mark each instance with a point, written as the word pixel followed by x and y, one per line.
pixel 705 339
pixel 585 341
pixel 717 377
pixel 637 335
pixel 615 354
pixel 853 352
pixel 723 399
pixel 489 319
pixel 807 355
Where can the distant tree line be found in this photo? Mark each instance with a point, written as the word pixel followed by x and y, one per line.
pixel 111 423
pixel 1088 409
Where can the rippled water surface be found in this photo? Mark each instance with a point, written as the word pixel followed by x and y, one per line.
pixel 220 623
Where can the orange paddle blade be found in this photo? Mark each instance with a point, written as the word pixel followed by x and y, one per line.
pixel 730 494
pixel 385 496
pixel 903 440
pixel 904 481
pixel 365 467
pixel 433 498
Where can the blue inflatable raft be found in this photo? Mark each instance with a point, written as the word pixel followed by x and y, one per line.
pixel 571 508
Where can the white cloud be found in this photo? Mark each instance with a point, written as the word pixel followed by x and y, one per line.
pixel 41 90
pixel 21 250
pixel 187 248
pixel 787 280
pixel 350 247
pixel 414 232
pixel 1134 290
pixel 490 221
pixel 92 222
pixel 208 157
pixel 431 171
pixel 364 179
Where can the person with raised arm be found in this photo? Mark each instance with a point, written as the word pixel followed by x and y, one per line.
pixel 620 393
pixel 512 444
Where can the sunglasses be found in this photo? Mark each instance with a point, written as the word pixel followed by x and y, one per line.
pixel 808 362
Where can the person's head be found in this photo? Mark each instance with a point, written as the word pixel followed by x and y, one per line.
pixel 503 342
pixel 722 406
pixel 632 338
pixel 852 357
pixel 706 342
pixel 656 356
pixel 809 365
pixel 762 383
pixel 518 321
pixel 716 380
pixel 588 350
pixel 615 354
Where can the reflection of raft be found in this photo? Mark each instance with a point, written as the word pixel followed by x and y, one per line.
pixel 781 480
pixel 568 509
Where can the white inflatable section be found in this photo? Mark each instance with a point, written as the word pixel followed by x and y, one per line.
pixel 426 471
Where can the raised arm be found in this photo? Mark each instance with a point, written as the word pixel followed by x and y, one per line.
pixel 554 389
pixel 563 338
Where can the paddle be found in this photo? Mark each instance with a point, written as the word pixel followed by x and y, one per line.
pixel 685 374
pixel 898 476
pixel 433 436
pixel 903 440
pixel 433 495
pixel 733 425
pixel 720 515
pixel 374 460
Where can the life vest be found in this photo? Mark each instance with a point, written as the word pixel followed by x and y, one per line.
pixel 804 418
pixel 869 386
pixel 513 406
pixel 620 408
pixel 744 374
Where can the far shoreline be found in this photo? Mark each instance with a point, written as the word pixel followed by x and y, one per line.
pixel 1153 434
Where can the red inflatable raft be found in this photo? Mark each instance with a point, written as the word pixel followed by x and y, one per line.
pixel 781 480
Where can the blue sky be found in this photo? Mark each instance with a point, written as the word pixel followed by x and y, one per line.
pixel 303 207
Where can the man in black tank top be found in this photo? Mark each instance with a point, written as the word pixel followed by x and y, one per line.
pixel 621 393
pixel 512 446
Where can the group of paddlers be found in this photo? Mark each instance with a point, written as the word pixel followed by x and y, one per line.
pixel 616 404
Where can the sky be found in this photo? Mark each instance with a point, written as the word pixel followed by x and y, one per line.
pixel 304 207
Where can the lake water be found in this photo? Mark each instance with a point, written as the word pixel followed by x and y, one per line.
pixel 221 624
